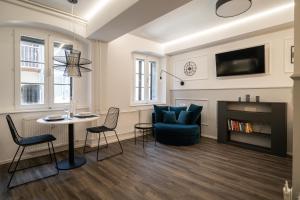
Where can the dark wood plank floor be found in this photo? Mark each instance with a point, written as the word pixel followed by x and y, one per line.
pixel 204 171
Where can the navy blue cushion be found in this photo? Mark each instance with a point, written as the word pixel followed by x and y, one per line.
pixel 185 117
pixel 196 112
pixel 169 117
pixel 177 110
pixel 37 139
pixel 158 112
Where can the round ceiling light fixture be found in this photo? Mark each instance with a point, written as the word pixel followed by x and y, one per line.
pixel 232 8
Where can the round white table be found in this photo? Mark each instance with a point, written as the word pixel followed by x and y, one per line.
pixel 73 161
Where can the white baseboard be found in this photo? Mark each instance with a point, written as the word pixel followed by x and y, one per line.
pixel 209 136
pixel 78 144
pixel 215 138
pixel 94 143
pixel 110 139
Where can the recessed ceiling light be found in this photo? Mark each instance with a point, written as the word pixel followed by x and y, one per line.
pixel 220 28
pixel 232 8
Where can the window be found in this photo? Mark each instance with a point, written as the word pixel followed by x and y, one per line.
pixel 62 85
pixel 139 80
pixel 146 83
pixel 32 70
pixel 37 83
pixel 152 81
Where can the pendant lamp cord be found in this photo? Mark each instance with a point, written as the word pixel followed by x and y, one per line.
pixel 73 27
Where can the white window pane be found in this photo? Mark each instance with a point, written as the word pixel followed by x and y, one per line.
pixel 62 84
pixel 139 80
pixel 61 93
pixel 142 64
pixel 139 66
pixel 32 69
pixel 142 94
pixel 149 81
pixel 33 74
pixel 59 77
pixel 32 94
pixel 136 98
pixel 152 81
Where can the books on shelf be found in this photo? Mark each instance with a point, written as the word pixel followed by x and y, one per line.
pixel 238 126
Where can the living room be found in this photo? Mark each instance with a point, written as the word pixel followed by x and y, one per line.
pixel 205 97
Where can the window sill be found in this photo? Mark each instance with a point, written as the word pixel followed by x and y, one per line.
pixel 146 104
pixel 36 110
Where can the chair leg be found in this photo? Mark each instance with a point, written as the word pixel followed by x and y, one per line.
pixel 105 140
pixel 15 168
pixel 98 146
pixel 119 142
pixel 110 156
pixel 50 155
pixel 54 155
pixel 134 135
pixel 86 135
pixel 17 164
pixel 13 160
pixel 40 164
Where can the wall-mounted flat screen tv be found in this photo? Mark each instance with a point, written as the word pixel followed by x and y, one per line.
pixel 241 62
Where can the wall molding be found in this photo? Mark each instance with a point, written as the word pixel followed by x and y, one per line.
pixel 216 138
pixel 93 143
pixel 24 111
pixel 78 144
pixel 237 88
pixel 193 99
pixel 45 9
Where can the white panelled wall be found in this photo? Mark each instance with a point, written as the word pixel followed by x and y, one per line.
pixel 275 85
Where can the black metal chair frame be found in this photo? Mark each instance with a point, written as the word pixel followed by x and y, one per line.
pixel 105 129
pixel 12 170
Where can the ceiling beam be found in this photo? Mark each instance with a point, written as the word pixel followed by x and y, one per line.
pixel 138 14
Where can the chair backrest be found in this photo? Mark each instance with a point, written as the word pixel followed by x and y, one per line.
pixel 111 120
pixel 13 130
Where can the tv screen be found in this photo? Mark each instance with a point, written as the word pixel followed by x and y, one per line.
pixel 241 62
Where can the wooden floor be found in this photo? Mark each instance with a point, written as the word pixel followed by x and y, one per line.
pixel 204 171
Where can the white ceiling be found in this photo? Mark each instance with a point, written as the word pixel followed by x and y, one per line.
pixel 81 9
pixel 193 17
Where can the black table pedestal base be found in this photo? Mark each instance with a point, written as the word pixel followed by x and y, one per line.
pixel 66 164
pixel 73 161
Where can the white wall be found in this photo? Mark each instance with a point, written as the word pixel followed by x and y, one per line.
pixel 113 80
pixel 276 85
pixel 275 77
pixel 118 68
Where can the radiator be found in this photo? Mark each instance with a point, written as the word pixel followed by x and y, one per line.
pixel 31 128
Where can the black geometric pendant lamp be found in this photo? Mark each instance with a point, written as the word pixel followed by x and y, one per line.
pixel 72 64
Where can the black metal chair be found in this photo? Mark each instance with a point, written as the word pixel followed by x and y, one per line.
pixel 25 142
pixel 110 124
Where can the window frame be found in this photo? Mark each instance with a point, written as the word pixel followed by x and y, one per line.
pixel 147 59
pixel 48 72
pixel 53 39
pixel 17 69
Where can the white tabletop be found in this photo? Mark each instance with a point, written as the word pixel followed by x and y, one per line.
pixel 73 120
